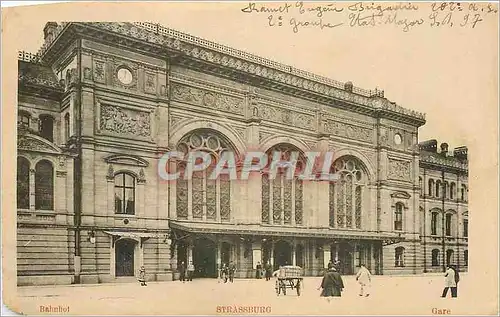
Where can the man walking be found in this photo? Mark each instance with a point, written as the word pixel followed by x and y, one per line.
pixel 232 270
pixel 332 284
pixel 449 282
pixel 364 279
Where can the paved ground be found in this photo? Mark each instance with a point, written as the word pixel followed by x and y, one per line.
pixel 389 294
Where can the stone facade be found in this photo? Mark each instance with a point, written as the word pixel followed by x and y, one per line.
pixel 101 102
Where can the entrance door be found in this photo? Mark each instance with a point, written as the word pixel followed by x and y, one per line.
pixel 124 257
pixel 346 254
pixel 282 254
pixel 204 259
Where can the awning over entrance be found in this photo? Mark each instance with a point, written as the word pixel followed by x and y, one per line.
pixel 263 230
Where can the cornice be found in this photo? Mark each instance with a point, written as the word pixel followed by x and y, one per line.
pixel 192 52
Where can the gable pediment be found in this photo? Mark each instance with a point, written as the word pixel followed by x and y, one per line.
pixel 400 194
pixel 124 159
pixel 34 143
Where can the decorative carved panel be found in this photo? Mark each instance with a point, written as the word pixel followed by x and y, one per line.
pixel 298 202
pixel 207 99
pixel 124 121
pixel 225 198
pixel 348 131
pixel 399 170
pixel 150 83
pixel 99 71
pixel 287 195
pixel 284 116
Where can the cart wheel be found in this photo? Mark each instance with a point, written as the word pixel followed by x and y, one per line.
pixel 298 288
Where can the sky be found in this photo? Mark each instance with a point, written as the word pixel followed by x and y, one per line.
pixel 448 73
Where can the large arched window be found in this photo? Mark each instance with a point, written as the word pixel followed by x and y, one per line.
pixel 47 127
pixel 435 257
pixel 346 193
pixel 431 186
pixel 399 257
pixel 44 185
pixel 453 189
pixel 398 217
pixel 282 201
pixel 124 194
pixel 23 183
pixel 210 198
pixel 434 222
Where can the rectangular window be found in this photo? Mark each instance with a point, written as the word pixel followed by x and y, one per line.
pixel 434 223
pixel 448 225
pixel 466 228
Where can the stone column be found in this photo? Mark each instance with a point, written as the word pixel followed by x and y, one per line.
pixel 327 254
pixel 294 253
pixel 32 190
pixel 190 253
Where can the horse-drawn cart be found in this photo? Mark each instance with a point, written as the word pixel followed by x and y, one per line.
pixel 288 277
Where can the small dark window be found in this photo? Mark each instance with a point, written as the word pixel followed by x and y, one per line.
pixel 435 257
pixel 23 119
pixel 438 188
pixel 431 186
pixel 66 128
pixel 449 256
pixel 434 220
pixel 448 224
pixel 466 257
pixel 452 190
pixel 466 228
pixel 47 127
pixel 398 217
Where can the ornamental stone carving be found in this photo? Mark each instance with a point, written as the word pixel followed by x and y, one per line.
pixel 99 71
pixel 347 131
pixel 29 143
pixel 150 83
pixel 125 121
pixel 399 170
pixel 207 99
pixel 284 116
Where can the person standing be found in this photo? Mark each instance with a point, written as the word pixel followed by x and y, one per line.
pixel 190 270
pixel 258 268
pixel 142 276
pixel 364 278
pixel 182 271
pixel 449 282
pixel 269 271
pixel 232 270
pixel 332 284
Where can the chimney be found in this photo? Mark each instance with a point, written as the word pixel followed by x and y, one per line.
pixel 49 30
pixel 444 149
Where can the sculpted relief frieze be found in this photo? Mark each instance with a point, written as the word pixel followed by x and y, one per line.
pixel 284 116
pixel 347 131
pixel 124 121
pixel 399 170
pixel 207 99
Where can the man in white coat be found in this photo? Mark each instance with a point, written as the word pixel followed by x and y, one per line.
pixel 364 278
pixel 450 282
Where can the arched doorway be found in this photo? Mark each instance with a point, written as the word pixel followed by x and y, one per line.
pixel 282 254
pixel 204 258
pixel 124 257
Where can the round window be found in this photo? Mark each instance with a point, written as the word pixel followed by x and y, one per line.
pixel 124 76
pixel 398 139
